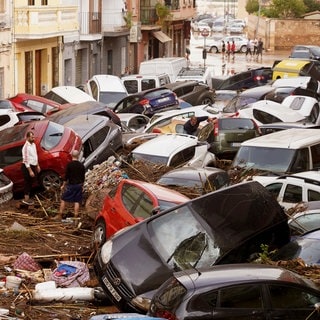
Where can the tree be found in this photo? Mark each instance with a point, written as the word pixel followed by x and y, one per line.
pixel 286 9
pixel 252 6
pixel 311 5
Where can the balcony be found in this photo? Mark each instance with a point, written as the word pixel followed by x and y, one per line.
pixel 90 23
pixel 32 22
pixel 148 16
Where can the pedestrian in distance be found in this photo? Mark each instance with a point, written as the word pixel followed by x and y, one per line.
pixel 223 49
pixel 255 46
pixel 259 48
pixel 192 125
pixel 72 187
pixel 30 166
pixel 233 49
pixel 228 49
pixel 249 51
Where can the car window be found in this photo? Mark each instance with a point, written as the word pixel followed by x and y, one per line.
pixel 306 222
pixel 148 84
pixel 274 188
pixel 235 124
pixel 10 156
pixel 37 106
pixel 137 123
pixel 313 195
pixel 143 207
pixel 99 137
pixel 4 119
pixel 131 86
pixel 315 152
pixel 243 296
pixel 126 103
pixel 264 117
pixel 301 160
pixel 292 194
pixel 157 93
pixel 182 156
pixel 13 134
pixel 94 90
pixel 52 135
pixel 286 297
pixel 130 196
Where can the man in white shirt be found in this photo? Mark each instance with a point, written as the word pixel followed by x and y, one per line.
pixel 30 166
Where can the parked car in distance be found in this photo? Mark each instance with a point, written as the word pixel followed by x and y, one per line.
pixel 28 102
pixel 305 52
pixel 282 152
pixel 218 26
pixel 134 121
pixel 240 42
pixel 289 190
pixel 308 219
pixel 201 26
pixel 235 28
pixel 165 246
pixel 138 82
pixel 12 118
pixel 201 180
pixel 68 94
pixel 130 202
pixel 148 102
pixel 88 107
pixel 243 80
pixel 202 75
pixel 174 150
pixel 106 88
pixel 54 144
pixel 6 186
pixel 101 138
pixel 236 292
pixel 304 247
pixel 192 92
pixel 225 135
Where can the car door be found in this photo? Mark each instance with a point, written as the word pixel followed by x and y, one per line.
pixel 291 302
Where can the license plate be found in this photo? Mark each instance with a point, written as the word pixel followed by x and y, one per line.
pixel 111 289
pixel 163 99
pixel 236 144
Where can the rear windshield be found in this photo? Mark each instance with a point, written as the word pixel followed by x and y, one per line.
pixel 52 136
pixel 112 98
pixel 234 124
pixel 14 134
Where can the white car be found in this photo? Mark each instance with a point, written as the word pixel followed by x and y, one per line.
pixel 174 150
pixel 235 28
pixel 295 188
pixel 240 42
pixel 134 121
pixel 201 26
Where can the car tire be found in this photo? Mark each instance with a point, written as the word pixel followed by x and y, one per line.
pixel 99 233
pixel 205 100
pixel 50 180
pixel 243 49
pixel 214 49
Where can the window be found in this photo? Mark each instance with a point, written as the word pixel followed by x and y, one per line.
pixel 2 6
pixel 11 156
pixel 144 207
pixel 275 189
pixel 313 195
pixel 130 196
pixel 44 2
pixel 315 151
pixel 30 2
pixel 182 156
pixel 292 194
pixel 246 296
pixel 283 297
pixel 36 105
pixel 4 119
pixel 148 84
pixel 131 86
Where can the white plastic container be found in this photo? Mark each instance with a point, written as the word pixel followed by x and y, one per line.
pixel 13 282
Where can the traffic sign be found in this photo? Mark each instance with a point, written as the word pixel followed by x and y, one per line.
pixel 205 32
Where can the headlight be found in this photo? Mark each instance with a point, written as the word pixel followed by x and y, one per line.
pixel 106 251
pixel 141 302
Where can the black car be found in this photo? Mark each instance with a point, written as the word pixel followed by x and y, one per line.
pixel 243 80
pixel 240 291
pixel 305 52
pixel 148 102
pixel 225 226
pixel 192 92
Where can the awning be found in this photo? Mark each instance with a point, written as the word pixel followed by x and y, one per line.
pixel 161 36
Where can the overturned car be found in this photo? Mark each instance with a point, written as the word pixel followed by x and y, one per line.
pixel 225 226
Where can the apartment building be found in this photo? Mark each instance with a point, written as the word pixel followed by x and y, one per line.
pixel 47 43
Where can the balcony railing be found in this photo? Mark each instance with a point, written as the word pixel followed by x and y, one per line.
pixel 90 22
pixel 148 16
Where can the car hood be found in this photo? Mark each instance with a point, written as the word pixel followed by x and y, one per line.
pixel 234 215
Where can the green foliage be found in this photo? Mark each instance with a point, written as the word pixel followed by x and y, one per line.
pixel 163 12
pixel 286 9
pixel 311 5
pixel 252 6
pixel 128 19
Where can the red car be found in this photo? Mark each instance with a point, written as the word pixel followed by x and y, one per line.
pixel 132 201
pixel 54 145
pixel 29 102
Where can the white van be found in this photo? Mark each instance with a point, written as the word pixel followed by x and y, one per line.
pixel 283 152
pixel 171 66
pixel 106 88
pixel 138 82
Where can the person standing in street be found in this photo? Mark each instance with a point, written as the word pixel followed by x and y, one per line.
pixel 30 166
pixel 249 48
pixel 259 48
pixel 223 49
pixel 72 186
pixel 228 49
pixel 233 49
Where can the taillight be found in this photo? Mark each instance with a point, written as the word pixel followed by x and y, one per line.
pixel 258 78
pixel 216 128
pixel 257 127
pixel 166 314
pixel 144 101
pixel 156 130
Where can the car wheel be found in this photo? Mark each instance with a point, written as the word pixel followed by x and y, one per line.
pixel 99 234
pixel 214 49
pixel 206 100
pixel 243 49
pixel 50 179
